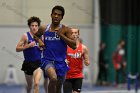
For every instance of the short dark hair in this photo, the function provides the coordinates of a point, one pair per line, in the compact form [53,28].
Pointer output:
[120,41]
[34,19]
[58,7]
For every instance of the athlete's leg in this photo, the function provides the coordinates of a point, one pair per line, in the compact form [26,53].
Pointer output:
[46,83]
[77,85]
[37,76]
[29,80]
[67,86]
[60,81]
[53,80]
[75,92]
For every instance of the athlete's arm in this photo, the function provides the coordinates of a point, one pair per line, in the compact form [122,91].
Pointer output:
[23,43]
[39,33]
[65,34]
[85,55]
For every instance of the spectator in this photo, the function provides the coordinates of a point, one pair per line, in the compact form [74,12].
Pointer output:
[102,76]
[119,62]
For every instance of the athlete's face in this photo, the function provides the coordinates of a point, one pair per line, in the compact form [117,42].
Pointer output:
[75,33]
[56,16]
[34,27]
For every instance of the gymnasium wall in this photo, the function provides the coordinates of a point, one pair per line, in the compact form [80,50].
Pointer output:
[15,12]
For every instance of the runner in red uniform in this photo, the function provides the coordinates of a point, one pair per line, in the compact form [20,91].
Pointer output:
[75,58]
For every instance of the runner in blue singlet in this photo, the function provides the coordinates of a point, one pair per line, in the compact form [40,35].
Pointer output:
[32,55]
[56,38]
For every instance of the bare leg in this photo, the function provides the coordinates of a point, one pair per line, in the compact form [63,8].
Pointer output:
[75,92]
[60,81]
[37,76]
[29,80]
[46,82]
[53,80]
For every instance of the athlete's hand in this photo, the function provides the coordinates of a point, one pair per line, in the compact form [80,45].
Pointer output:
[32,44]
[40,42]
[87,63]
[61,31]
[57,29]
